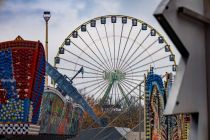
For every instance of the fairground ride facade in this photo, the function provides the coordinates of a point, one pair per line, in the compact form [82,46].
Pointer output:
[22,70]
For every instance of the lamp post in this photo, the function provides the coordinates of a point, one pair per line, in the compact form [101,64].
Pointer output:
[46,16]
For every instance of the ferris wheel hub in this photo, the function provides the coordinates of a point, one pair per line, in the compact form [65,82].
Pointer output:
[114,76]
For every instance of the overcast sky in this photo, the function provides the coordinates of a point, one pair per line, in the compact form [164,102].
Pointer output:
[24,17]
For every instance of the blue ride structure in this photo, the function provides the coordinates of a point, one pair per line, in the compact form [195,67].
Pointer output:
[69,90]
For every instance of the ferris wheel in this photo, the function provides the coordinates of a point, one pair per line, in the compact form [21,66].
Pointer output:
[115,52]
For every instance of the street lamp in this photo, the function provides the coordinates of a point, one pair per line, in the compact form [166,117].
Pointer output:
[46,16]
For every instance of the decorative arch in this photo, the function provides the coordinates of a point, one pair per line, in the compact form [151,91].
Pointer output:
[154,99]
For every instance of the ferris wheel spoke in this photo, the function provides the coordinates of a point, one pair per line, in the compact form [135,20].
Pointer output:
[127,87]
[166,66]
[131,81]
[130,47]
[93,52]
[106,87]
[138,56]
[132,87]
[146,57]
[103,47]
[134,72]
[130,66]
[119,45]
[125,45]
[98,50]
[88,77]
[107,39]
[98,95]
[136,50]
[134,75]
[81,83]
[126,82]
[83,59]
[98,87]
[101,89]
[95,84]
[134,79]
[149,63]
[114,43]
[79,64]
[86,72]
[88,55]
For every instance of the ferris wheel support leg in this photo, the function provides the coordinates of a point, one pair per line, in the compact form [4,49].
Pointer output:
[124,95]
[104,98]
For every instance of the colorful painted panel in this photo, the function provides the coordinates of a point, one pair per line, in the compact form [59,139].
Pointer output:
[59,116]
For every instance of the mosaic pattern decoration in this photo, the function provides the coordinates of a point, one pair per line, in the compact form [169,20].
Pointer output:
[18,129]
[14,129]
[158,126]
[22,70]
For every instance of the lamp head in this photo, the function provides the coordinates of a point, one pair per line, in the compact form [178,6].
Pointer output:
[46,15]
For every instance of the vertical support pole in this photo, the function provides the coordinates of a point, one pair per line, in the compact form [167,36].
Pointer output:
[145,108]
[46,52]
[207,42]
[140,112]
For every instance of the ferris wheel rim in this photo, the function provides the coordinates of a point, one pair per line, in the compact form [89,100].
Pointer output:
[119,16]
[108,16]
